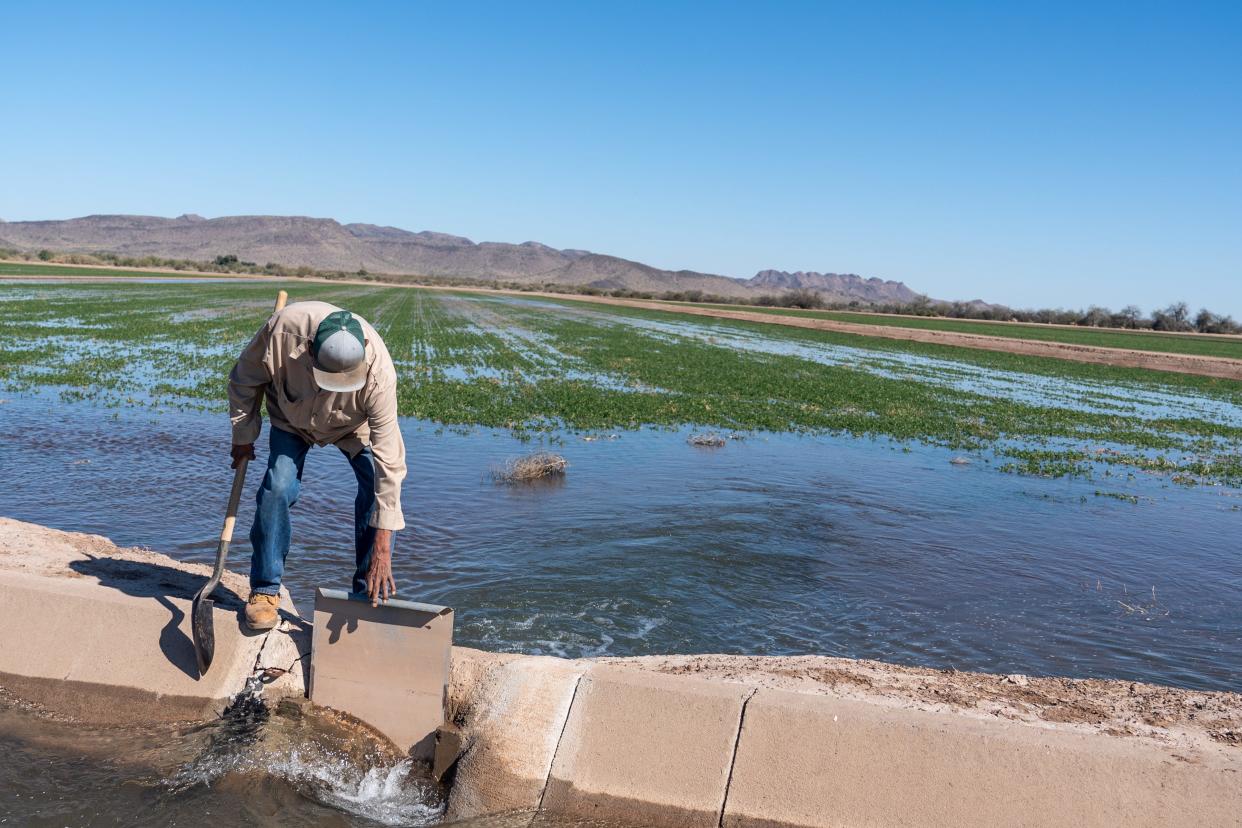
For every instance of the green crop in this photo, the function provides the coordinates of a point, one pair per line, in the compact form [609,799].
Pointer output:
[43,271]
[549,365]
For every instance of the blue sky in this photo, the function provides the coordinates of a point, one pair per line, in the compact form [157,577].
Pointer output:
[1039,155]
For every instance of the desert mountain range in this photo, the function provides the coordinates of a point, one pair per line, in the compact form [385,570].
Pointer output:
[326,244]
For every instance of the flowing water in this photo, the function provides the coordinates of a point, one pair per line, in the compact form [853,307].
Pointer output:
[773,544]
[249,768]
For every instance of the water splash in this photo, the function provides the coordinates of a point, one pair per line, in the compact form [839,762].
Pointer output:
[388,794]
[321,760]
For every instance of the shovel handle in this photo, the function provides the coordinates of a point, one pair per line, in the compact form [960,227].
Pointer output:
[201,613]
[239,476]
[230,514]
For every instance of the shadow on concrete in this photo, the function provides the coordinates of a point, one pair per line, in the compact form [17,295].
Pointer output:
[346,609]
[160,583]
[299,629]
[340,621]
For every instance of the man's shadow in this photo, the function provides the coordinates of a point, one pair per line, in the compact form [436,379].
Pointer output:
[160,583]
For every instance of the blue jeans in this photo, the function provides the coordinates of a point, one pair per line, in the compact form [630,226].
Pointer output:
[269,537]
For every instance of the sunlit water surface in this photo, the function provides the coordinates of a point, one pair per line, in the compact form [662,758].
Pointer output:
[773,544]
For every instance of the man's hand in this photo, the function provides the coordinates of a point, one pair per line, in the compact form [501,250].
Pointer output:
[240,452]
[380,585]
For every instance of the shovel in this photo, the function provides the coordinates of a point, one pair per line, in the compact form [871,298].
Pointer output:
[201,611]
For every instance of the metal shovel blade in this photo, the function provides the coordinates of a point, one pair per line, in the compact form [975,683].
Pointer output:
[203,631]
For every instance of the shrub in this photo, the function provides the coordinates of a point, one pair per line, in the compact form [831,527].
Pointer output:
[535,466]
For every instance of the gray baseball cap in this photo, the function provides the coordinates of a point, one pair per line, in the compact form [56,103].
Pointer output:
[339,353]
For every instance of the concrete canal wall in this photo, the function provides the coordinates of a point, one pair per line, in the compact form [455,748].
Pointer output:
[102,633]
[816,741]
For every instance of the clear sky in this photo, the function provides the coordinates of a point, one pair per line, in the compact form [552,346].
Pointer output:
[1040,155]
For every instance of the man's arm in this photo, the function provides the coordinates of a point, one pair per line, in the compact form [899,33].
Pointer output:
[388,449]
[246,383]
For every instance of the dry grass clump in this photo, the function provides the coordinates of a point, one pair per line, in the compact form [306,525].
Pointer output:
[535,466]
[706,440]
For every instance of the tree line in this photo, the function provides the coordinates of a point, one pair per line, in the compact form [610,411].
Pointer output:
[1175,317]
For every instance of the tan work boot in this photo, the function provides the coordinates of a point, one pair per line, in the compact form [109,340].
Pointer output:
[261,611]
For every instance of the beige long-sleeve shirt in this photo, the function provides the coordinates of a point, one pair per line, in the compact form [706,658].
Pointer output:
[277,364]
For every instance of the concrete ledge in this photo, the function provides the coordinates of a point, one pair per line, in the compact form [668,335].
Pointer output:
[806,760]
[814,741]
[513,711]
[103,633]
[646,748]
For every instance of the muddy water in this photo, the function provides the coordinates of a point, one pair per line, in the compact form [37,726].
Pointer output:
[772,544]
[252,769]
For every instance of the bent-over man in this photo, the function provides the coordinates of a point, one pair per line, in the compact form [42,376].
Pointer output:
[328,380]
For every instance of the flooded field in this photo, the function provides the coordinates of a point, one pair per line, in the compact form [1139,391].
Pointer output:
[859,505]
[543,367]
[910,503]
[1229,346]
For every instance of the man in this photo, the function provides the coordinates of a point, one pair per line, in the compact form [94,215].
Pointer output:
[328,380]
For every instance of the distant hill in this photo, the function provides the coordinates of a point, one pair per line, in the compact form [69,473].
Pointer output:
[843,285]
[326,244]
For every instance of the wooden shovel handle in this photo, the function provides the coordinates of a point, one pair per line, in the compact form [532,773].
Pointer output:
[239,476]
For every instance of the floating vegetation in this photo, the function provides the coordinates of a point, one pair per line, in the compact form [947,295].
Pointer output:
[540,367]
[1144,607]
[537,466]
[1122,496]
